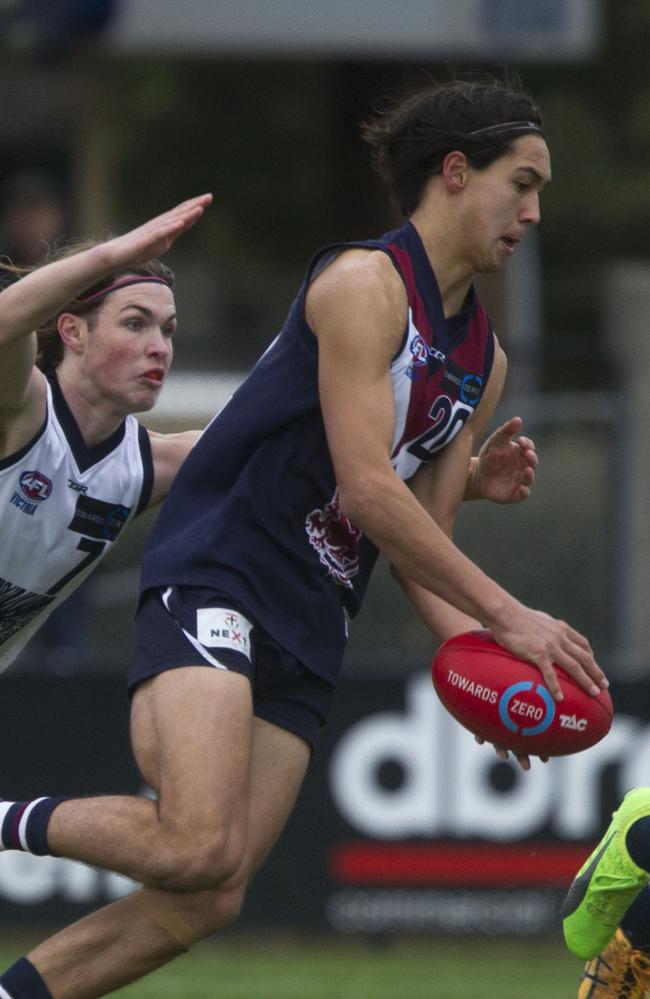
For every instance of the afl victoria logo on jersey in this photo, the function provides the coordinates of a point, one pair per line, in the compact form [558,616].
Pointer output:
[35,486]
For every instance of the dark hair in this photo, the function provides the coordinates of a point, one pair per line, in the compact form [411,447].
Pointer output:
[411,137]
[50,347]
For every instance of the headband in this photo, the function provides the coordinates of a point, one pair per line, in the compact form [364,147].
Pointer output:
[508,127]
[122,283]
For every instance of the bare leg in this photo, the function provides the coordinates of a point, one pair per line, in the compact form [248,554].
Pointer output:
[118,944]
[192,731]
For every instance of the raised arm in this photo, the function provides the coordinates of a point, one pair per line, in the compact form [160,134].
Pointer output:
[28,302]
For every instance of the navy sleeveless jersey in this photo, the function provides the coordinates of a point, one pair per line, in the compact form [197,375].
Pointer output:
[253,512]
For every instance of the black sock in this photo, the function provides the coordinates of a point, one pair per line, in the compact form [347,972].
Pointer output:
[636,921]
[22,981]
[637,842]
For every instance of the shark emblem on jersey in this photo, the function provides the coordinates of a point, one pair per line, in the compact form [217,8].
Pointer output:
[336,540]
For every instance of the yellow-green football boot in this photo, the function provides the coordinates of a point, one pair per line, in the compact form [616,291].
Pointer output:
[607,883]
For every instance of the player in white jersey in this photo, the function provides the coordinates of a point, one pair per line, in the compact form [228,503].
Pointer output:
[85,341]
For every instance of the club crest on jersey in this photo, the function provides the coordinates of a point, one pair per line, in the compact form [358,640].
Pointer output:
[33,488]
[336,540]
[423,356]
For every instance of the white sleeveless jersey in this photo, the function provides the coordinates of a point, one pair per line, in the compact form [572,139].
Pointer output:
[63,506]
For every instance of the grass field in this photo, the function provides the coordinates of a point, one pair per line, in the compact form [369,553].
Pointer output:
[283,969]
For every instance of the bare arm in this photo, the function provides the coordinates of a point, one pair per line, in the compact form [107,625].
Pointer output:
[169,451]
[357,309]
[440,486]
[28,302]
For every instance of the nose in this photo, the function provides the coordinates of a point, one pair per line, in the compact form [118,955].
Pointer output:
[160,346]
[530,213]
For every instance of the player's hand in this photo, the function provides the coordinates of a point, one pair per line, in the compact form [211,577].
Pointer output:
[506,465]
[545,641]
[153,238]
[504,754]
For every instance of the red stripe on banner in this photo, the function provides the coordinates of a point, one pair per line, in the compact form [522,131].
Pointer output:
[459,864]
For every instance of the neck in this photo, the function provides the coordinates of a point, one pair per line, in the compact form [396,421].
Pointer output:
[96,416]
[453,271]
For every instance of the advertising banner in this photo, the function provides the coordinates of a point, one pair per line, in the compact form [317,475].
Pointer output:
[404,825]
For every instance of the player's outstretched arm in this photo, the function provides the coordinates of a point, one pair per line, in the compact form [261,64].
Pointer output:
[29,302]
[168,451]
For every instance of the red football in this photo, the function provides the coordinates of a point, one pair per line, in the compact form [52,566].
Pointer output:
[504,700]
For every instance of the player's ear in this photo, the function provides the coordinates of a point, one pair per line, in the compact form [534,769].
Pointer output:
[70,328]
[454,171]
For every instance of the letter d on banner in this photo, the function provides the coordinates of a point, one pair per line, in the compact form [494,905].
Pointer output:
[406,739]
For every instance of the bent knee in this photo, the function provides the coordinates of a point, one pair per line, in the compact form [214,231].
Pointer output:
[198,863]
[214,910]
[215,860]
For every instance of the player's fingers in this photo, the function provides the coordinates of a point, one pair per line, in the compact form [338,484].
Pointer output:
[501,752]
[526,444]
[183,215]
[199,202]
[547,670]
[505,433]
[582,667]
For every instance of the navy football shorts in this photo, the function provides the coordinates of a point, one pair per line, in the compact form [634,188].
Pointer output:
[193,626]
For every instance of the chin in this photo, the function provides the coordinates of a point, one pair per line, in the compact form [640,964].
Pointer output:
[491,267]
[143,403]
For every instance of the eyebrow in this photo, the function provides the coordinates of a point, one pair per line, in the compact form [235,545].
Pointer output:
[534,173]
[147,312]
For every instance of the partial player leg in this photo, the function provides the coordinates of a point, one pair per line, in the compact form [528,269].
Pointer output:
[126,940]
[610,879]
[192,737]
[622,969]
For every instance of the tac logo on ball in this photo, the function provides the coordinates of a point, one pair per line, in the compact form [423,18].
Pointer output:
[516,711]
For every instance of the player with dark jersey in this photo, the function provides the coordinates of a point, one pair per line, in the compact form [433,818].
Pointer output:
[354,434]
[267,531]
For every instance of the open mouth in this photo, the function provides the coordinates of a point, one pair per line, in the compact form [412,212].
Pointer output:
[510,243]
[154,375]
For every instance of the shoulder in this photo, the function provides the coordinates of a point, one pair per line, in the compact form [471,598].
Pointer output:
[358,271]
[168,452]
[360,290]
